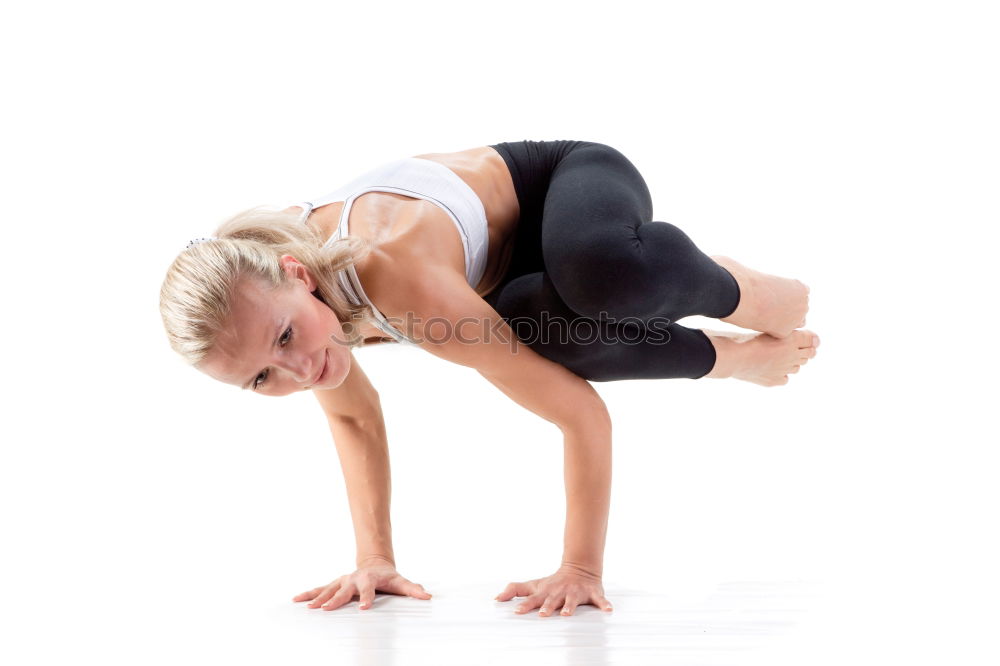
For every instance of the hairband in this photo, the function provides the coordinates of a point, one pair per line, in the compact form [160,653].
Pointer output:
[194,242]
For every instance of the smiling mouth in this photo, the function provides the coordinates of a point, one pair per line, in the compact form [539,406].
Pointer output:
[322,371]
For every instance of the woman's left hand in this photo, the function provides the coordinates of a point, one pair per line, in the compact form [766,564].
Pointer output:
[563,589]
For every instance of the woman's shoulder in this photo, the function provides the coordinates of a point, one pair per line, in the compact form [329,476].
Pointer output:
[403,285]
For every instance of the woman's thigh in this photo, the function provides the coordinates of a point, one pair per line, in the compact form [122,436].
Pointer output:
[606,256]
[600,350]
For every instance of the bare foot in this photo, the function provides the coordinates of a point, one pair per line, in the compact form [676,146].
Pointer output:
[759,357]
[768,303]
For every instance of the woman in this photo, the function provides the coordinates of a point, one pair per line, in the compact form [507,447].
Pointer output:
[557,275]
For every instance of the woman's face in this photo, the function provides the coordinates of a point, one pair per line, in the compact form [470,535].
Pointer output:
[278,342]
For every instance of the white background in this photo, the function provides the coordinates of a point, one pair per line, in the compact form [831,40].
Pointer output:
[150,512]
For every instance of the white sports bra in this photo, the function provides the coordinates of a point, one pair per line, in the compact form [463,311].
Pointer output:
[421,179]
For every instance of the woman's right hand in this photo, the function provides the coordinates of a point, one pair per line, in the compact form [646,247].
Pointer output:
[370,577]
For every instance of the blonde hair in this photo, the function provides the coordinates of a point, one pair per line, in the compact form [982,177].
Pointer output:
[197,293]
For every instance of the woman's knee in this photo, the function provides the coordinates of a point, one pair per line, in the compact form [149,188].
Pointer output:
[657,273]
[608,281]
[532,297]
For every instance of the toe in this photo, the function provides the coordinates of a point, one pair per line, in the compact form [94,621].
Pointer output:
[807,339]
[804,339]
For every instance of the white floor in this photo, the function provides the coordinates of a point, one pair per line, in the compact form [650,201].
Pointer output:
[459,627]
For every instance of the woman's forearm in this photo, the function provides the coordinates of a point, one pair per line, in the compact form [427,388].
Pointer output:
[587,464]
[364,458]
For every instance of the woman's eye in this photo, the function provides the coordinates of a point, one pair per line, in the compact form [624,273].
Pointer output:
[285,337]
[259,380]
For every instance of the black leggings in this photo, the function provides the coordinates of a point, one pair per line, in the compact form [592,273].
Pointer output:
[594,283]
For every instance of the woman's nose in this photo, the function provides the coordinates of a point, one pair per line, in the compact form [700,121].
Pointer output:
[301,369]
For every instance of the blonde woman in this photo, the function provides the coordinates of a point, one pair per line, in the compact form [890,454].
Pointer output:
[536,263]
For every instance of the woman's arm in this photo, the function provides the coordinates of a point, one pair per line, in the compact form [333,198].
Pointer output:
[354,415]
[364,458]
[586,471]
[451,321]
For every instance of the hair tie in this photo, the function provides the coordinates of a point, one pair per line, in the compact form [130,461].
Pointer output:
[194,242]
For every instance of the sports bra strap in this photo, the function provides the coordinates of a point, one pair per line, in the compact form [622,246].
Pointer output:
[306,209]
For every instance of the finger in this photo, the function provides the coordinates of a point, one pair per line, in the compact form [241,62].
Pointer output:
[602,603]
[509,592]
[307,595]
[529,604]
[569,606]
[417,590]
[366,594]
[514,590]
[551,603]
[345,594]
[325,595]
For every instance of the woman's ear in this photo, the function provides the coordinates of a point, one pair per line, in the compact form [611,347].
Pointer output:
[294,269]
